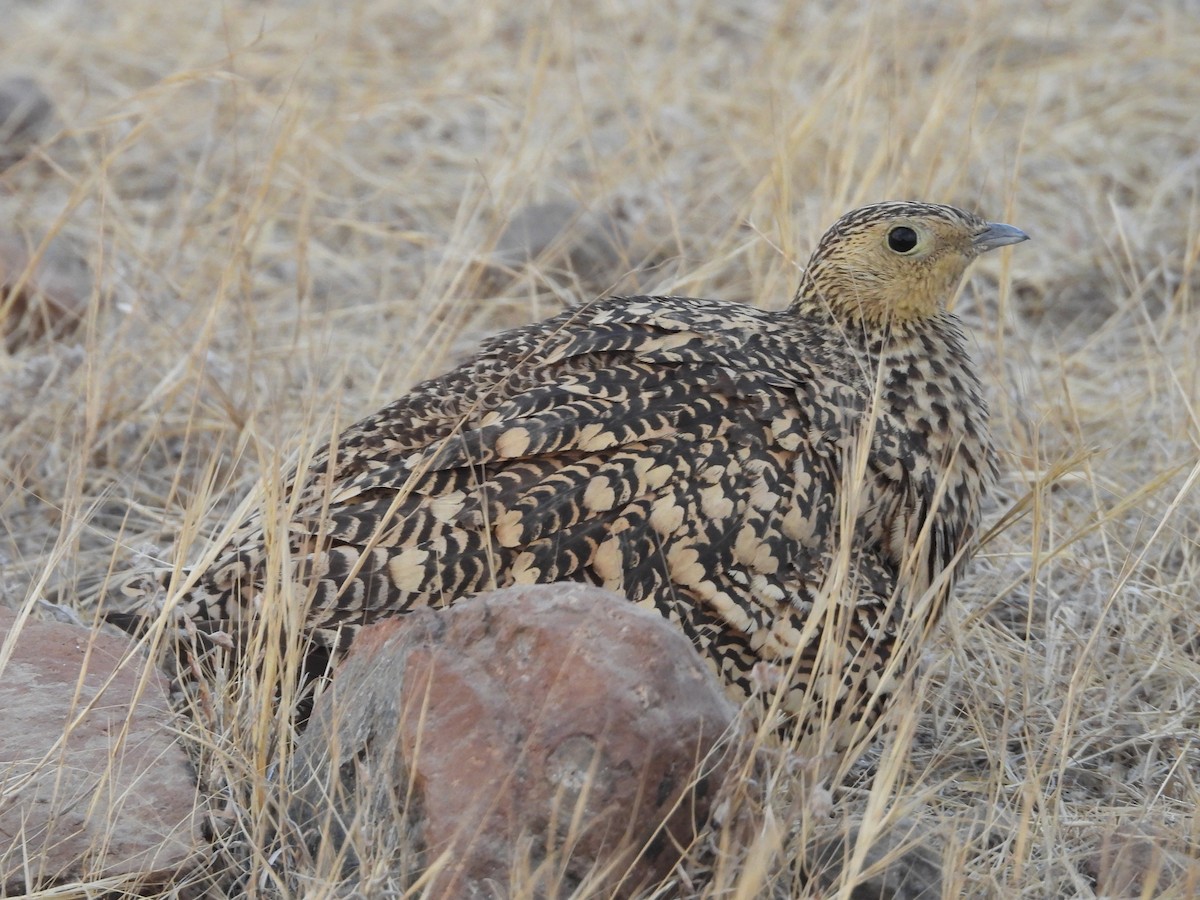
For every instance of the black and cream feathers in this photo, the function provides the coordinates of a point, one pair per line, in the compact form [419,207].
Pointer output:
[794,489]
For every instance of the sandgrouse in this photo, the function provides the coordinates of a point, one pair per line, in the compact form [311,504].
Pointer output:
[796,490]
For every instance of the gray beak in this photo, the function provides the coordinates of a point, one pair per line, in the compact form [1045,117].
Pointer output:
[997,235]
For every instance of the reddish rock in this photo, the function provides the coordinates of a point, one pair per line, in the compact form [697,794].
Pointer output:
[530,737]
[93,782]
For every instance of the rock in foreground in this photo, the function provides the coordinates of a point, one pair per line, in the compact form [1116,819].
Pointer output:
[93,782]
[537,738]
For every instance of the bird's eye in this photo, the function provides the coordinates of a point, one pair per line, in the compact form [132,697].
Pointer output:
[902,239]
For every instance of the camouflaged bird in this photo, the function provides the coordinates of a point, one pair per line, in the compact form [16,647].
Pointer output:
[795,489]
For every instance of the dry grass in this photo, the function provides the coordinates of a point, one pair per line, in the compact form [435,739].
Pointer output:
[283,203]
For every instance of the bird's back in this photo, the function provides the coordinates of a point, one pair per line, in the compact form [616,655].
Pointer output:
[686,453]
[796,490]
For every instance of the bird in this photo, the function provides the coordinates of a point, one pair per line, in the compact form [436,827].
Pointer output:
[797,490]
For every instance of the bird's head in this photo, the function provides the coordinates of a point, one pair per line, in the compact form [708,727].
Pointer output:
[892,263]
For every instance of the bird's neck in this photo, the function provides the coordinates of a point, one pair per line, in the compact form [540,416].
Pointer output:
[874,308]
[874,339]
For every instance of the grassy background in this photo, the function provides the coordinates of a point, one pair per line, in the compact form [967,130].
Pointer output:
[284,205]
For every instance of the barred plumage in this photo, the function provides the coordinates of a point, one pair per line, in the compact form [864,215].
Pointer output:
[794,489]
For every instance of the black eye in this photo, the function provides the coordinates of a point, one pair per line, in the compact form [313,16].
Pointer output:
[902,239]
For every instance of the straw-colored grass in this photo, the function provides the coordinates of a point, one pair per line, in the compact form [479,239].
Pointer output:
[284,204]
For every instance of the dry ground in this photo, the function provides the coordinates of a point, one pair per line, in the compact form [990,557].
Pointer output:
[283,204]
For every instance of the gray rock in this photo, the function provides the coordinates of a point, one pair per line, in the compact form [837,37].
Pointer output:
[1139,860]
[26,117]
[562,236]
[905,862]
[40,295]
[93,782]
[529,740]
